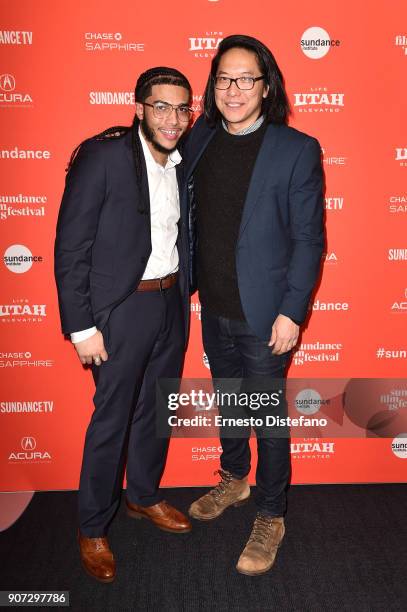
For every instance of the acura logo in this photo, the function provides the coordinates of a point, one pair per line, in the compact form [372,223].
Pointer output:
[7,82]
[28,443]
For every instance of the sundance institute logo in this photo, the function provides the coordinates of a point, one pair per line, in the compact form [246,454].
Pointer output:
[19,259]
[316,42]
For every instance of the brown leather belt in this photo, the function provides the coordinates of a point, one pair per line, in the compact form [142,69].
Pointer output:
[158,284]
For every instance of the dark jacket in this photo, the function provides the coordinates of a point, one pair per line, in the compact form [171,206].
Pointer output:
[103,239]
[281,238]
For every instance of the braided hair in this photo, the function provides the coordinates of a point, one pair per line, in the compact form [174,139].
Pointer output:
[160,75]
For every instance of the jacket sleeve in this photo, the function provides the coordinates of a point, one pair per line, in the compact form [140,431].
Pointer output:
[77,225]
[307,231]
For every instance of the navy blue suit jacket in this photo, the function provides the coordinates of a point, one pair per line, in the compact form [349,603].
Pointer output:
[281,238]
[103,239]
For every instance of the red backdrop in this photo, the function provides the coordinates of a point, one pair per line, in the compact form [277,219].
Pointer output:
[68,71]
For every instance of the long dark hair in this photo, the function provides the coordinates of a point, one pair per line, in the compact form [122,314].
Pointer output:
[160,75]
[275,106]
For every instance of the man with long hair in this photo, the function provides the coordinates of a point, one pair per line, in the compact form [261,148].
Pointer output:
[255,191]
[121,273]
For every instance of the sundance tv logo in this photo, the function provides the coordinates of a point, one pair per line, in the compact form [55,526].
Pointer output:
[16,37]
[110,41]
[319,100]
[29,452]
[9,97]
[316,42]
[19,259]
[205,46]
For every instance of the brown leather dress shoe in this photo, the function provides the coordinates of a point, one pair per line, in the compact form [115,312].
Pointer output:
[163,515]
[97,558]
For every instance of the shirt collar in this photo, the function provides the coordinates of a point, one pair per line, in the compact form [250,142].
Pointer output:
[174,158]
[248,130]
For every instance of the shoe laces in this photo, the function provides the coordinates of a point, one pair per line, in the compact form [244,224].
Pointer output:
[261,529]
[223,485]
[99,544]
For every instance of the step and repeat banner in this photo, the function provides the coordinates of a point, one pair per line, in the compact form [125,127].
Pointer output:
[67,71]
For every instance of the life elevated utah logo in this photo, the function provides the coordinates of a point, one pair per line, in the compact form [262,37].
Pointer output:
[316,42]
[401,42]
[205,46]
[319,100]
[10,95]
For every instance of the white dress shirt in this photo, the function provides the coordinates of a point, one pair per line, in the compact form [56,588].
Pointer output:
[164,216]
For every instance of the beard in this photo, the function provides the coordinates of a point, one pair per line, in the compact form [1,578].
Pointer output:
[149,136]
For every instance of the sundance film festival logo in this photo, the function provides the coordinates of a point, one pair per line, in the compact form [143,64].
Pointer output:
[16,37]
[400,305]
[205,46]
[320,352]
[112,98]
[395,400]
[26,359]
[401,41]
[398,204]
[8,94]
[29,452]
[110,41]
[19,259]
[22,311]
[316,42]
[319,100]
[195,307]
[401,155]
[22,206]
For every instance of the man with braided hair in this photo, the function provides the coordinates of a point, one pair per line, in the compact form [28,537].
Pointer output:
[121,274]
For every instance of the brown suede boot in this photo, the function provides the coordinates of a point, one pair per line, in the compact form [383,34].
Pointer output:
[261,549]
[228,492]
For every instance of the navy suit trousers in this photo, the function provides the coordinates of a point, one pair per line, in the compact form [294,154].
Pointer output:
[144,338]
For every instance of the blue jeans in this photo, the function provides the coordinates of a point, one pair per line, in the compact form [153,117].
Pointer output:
[234,352]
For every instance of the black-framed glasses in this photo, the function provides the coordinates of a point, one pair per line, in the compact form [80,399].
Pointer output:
[243,82]
[164,109]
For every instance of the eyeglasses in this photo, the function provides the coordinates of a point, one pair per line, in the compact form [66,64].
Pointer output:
[164,109]
[244,82]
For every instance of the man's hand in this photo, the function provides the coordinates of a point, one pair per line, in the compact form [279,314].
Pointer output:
[284,335]
[92,349]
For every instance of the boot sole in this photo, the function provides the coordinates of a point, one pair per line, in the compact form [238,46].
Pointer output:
[241,502]
[136,515]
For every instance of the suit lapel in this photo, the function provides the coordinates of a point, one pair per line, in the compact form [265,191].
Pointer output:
[261,171]
[143,203]
[195,157]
